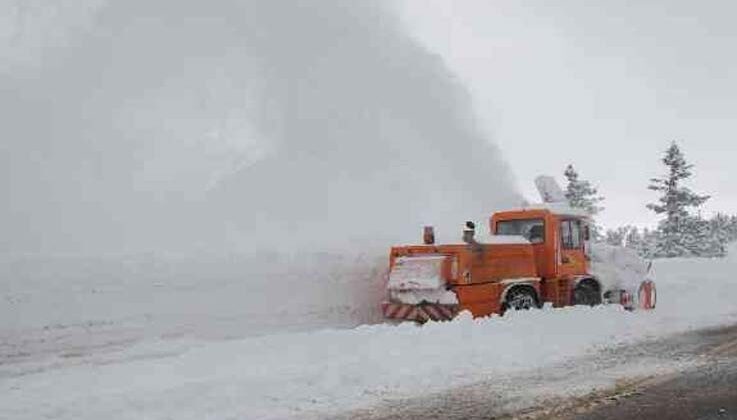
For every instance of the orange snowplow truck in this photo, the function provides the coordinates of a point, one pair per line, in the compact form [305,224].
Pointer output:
[531,256]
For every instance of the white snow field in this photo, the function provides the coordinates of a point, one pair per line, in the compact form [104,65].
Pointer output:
[92,349]
[84,304]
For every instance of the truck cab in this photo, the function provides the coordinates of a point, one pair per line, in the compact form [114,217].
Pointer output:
[559,238]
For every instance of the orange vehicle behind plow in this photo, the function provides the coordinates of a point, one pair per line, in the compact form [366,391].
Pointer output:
[530,257]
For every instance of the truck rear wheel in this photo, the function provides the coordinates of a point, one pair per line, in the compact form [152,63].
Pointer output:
[521,298]
[587,293]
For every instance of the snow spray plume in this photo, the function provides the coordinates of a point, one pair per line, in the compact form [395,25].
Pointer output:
[164,124]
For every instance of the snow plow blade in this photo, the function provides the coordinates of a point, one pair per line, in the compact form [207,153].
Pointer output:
[419,313]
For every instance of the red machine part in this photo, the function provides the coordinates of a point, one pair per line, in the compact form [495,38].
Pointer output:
[419,313]
[647,295]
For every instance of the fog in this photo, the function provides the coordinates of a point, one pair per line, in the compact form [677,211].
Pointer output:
[232,125]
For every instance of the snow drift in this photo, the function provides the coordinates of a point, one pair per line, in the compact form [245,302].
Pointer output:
[619,268]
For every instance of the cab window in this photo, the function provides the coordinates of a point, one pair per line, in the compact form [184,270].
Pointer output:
[532,229]
[571,234]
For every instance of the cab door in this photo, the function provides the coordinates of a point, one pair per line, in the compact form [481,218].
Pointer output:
[572,254]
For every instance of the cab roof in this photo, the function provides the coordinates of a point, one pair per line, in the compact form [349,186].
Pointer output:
[542,209]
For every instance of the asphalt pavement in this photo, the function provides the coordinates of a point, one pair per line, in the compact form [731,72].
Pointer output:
[708,391]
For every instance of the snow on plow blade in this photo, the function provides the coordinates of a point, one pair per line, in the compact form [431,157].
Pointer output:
[417,290]
[419,313]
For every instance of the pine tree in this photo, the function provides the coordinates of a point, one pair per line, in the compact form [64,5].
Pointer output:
[720,235]
[633,240]
[616,237]
[732,229]
[582,195]
[703,238]
[649,243]
[679,232]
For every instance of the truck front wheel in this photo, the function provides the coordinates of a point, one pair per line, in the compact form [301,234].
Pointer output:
[521,298]
[587,293]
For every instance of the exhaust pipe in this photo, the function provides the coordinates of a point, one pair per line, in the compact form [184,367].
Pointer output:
[428,235]
[469,237]
[469,233]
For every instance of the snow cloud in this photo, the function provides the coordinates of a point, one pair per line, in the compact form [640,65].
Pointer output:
[170,124]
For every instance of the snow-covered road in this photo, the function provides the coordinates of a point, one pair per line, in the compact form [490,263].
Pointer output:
[704,362]
[318,372]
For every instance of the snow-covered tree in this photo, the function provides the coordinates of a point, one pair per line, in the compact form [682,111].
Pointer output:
[582,195]
[679,231]
[616,237]
[719,233]
[732,229]
[633,240]
[648,243]
[702,239]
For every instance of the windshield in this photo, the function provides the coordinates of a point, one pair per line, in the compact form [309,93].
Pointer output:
[532,229]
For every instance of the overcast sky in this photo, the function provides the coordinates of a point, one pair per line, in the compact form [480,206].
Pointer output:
[603,85]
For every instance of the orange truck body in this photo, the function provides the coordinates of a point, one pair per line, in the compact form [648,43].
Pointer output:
[482,275]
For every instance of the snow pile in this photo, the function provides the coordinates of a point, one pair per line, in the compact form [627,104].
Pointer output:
[84,303]
[618,267]
[417,272]
[697,288]
[311,374]
[419,279]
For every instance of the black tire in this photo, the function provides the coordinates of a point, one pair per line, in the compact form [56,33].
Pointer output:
[587,293]
[521,298]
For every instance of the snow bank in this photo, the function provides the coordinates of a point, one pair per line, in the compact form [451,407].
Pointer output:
[618,267]
[311,374]
[95,301]
[283,376]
